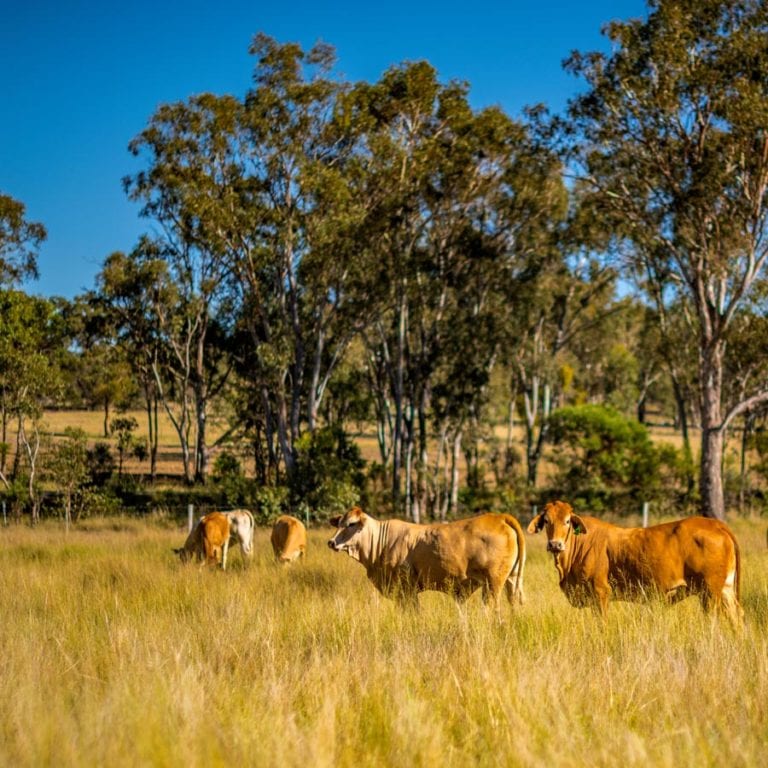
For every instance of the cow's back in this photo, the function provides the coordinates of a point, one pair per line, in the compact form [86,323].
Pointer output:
[241,529]
[289,538]
[215,527]
[700,548]
[477,549]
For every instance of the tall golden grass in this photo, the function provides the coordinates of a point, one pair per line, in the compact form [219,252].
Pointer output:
[113,653]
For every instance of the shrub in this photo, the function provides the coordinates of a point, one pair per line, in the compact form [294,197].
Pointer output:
[329,476]
[101,464]
[270,502]
[229,480]
[607,461]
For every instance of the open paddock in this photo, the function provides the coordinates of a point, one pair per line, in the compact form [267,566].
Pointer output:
[116,654]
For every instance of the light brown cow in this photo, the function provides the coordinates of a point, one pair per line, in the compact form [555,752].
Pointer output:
[208,541]
[595,559]
[289,539]
[403,559]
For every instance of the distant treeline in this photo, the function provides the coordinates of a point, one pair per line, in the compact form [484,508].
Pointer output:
[327,253]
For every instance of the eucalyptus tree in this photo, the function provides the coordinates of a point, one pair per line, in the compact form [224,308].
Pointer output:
[188,146]
[674,148]
[20,240]
[572,298]
[291,249]
[100,372]
[128,288]
[255,214]
[456,201]
[31,342]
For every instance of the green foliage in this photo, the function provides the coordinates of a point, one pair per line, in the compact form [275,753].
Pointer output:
[68,468]
[101,464]
[607,461]
[230,481]
[68,460]
[127,445]
[270,502]
[19,242]
[329,474]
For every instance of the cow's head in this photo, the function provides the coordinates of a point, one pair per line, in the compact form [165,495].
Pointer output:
[183,553]
[349,532]
[560,521]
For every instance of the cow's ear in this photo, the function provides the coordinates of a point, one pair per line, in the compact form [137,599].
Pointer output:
[536,524]
[334,521]
[578,525]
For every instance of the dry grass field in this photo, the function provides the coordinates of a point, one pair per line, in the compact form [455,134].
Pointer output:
[116,654]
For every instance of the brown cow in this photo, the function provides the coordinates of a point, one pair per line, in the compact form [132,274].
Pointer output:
[594,559]
[208,541]
[403,559]
[289,539]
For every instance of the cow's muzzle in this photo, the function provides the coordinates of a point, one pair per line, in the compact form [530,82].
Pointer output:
[555,545]
[333,545]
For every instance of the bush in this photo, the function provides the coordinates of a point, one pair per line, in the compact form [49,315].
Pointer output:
[231,483]
[101,464]
[607,461]
[329,476]
[270,503]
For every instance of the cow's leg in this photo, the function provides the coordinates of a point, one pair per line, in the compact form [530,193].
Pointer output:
[733,610]
[676,592]
[720,595]
[602,592]
[492,592]
[224,550]
[513,586]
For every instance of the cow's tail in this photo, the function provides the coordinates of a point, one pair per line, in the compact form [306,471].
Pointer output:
[250,535]
[737,554]
[519,565]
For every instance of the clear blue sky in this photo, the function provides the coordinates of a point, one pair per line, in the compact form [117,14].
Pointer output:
[81,78]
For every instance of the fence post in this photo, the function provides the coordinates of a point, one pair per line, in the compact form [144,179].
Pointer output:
[645,514]
[5,517]
[190,516]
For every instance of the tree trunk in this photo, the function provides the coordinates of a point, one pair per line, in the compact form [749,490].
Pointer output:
[3,439]
[712,434]
[453,504]
[397,441]
[422,481]
[749,423]
[682,424]
[201,447]
[284,433]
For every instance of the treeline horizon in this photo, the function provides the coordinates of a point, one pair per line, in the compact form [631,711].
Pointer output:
[327,253]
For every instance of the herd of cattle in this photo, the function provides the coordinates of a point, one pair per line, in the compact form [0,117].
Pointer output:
[594,559]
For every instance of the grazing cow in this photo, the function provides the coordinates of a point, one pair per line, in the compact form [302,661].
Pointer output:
[403,559]
[208,541]
[289,539]
[594,559]
[241,529]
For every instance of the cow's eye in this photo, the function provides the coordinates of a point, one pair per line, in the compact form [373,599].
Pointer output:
[352,524]
[568,522]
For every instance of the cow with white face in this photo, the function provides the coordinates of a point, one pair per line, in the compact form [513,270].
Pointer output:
[402,559]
